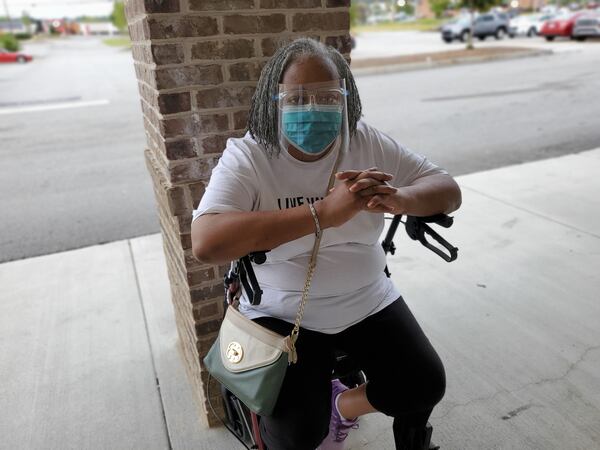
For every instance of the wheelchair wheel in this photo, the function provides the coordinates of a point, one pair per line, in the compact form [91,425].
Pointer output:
[239,417]
[428,444]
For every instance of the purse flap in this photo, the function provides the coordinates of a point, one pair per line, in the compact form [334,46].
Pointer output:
[246,345]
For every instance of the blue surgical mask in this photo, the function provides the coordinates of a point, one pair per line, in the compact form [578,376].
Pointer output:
[311,128]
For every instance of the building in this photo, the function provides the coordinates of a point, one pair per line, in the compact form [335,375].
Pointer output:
[423,10]
[13,26]
[98,28]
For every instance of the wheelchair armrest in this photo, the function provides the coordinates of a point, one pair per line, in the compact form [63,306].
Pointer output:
[417,229]
[442,220]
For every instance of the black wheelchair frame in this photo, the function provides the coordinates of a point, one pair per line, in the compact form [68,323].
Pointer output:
[243,423]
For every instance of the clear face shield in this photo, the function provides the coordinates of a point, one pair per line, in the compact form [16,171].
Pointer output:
[313,117]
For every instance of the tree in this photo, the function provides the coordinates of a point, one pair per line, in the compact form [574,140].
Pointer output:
[353,14]
[439,6]
[480,5]
[407,9]
[9,42]
[118,16]
[358,13]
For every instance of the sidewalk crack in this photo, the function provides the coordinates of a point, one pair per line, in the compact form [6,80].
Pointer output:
[139,291]
[571,367]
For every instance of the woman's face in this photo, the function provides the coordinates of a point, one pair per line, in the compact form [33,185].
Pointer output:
[303,71]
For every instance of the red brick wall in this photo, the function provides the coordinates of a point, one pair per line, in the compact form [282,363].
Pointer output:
[197,63]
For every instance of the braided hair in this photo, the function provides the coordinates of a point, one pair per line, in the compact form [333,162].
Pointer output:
[262,117]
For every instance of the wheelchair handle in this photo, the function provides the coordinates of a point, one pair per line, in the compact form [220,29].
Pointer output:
[417,229]
[439,219]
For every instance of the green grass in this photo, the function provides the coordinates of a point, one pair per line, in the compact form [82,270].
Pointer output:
[417,25]
[117,42]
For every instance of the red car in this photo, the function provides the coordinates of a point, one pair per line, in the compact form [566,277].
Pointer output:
[559,26]
[6,56]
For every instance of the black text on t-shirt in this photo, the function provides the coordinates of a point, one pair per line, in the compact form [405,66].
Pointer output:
[291,202]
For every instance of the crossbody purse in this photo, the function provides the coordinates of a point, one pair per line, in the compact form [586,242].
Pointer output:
[251,360]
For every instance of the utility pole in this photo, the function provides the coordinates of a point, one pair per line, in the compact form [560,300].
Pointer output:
[7,16]
[471,27]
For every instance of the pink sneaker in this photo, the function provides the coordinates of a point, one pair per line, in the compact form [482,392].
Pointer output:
[338,427]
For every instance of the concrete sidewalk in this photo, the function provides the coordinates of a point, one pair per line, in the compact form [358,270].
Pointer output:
[90,357]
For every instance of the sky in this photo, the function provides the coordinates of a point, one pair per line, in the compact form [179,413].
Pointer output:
[53,9]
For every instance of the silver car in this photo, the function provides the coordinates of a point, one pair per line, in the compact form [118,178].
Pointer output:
[456,29]
[586,26]
[488,24]
[493,24]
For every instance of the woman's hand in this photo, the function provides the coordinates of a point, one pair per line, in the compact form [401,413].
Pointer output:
[340,205]
[372,184]
[428,195]
[373,173]
[389,200]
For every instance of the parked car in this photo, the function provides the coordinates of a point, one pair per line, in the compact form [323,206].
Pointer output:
[400,16]
[587,25]
[493,24]
[6,56]
[560,26]
[403,17]
[456,29]
[378,18]
[531,24]
[489,24]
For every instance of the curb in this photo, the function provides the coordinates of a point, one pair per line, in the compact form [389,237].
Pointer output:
[424,65]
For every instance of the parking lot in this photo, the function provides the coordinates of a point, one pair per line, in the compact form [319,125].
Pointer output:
[370,45]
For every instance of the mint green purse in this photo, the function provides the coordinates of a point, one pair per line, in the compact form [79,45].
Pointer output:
[251,360]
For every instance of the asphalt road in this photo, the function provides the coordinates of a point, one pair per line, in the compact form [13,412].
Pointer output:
[475,117]
[74,176]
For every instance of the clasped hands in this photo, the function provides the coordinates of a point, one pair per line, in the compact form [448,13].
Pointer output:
[361,190]
[371,186]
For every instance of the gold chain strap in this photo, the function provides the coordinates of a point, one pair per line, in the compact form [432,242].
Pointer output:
[309,275]
[312,265]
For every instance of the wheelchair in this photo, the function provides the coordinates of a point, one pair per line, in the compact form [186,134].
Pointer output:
[243,423]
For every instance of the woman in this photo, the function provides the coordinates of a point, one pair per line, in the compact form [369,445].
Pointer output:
[268,192]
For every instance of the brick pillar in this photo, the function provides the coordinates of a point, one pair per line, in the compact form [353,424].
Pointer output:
[197,63]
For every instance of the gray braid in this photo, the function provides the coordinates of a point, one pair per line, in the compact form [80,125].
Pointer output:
[262,118]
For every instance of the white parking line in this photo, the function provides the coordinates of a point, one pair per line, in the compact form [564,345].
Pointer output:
[65,105]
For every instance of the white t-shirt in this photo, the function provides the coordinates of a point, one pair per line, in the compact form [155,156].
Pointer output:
[349,283]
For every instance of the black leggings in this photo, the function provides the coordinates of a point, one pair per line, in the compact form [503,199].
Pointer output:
[406,379]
